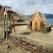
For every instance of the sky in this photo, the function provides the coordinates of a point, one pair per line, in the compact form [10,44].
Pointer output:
[30,6]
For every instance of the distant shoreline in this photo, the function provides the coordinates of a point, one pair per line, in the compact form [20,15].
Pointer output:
[51,25]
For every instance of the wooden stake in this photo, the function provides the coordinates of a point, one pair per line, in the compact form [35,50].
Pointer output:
[4,26]
[13,22]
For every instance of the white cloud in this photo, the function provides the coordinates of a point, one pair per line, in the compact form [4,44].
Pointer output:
[29,6]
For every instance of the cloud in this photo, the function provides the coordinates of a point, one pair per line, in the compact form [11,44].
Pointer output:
[29,6]
[33,2]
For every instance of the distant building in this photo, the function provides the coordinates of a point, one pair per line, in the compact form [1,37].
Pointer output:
[1,9]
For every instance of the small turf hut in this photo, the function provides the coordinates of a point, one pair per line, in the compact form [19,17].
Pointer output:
[38,21]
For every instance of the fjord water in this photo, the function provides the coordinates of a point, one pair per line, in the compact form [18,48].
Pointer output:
[50,20]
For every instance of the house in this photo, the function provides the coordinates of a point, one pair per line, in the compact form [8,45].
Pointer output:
[38,20]
[1,9]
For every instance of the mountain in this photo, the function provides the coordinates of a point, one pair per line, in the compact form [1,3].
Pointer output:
[47,15]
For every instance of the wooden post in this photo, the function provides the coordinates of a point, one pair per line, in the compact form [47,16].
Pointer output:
[13,22]
[14,25]
[10,21]
[4,26]
[7,35]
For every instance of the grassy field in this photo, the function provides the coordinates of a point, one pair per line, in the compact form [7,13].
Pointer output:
[38,38]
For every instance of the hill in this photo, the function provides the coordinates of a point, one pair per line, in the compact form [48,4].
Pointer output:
[47,15]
